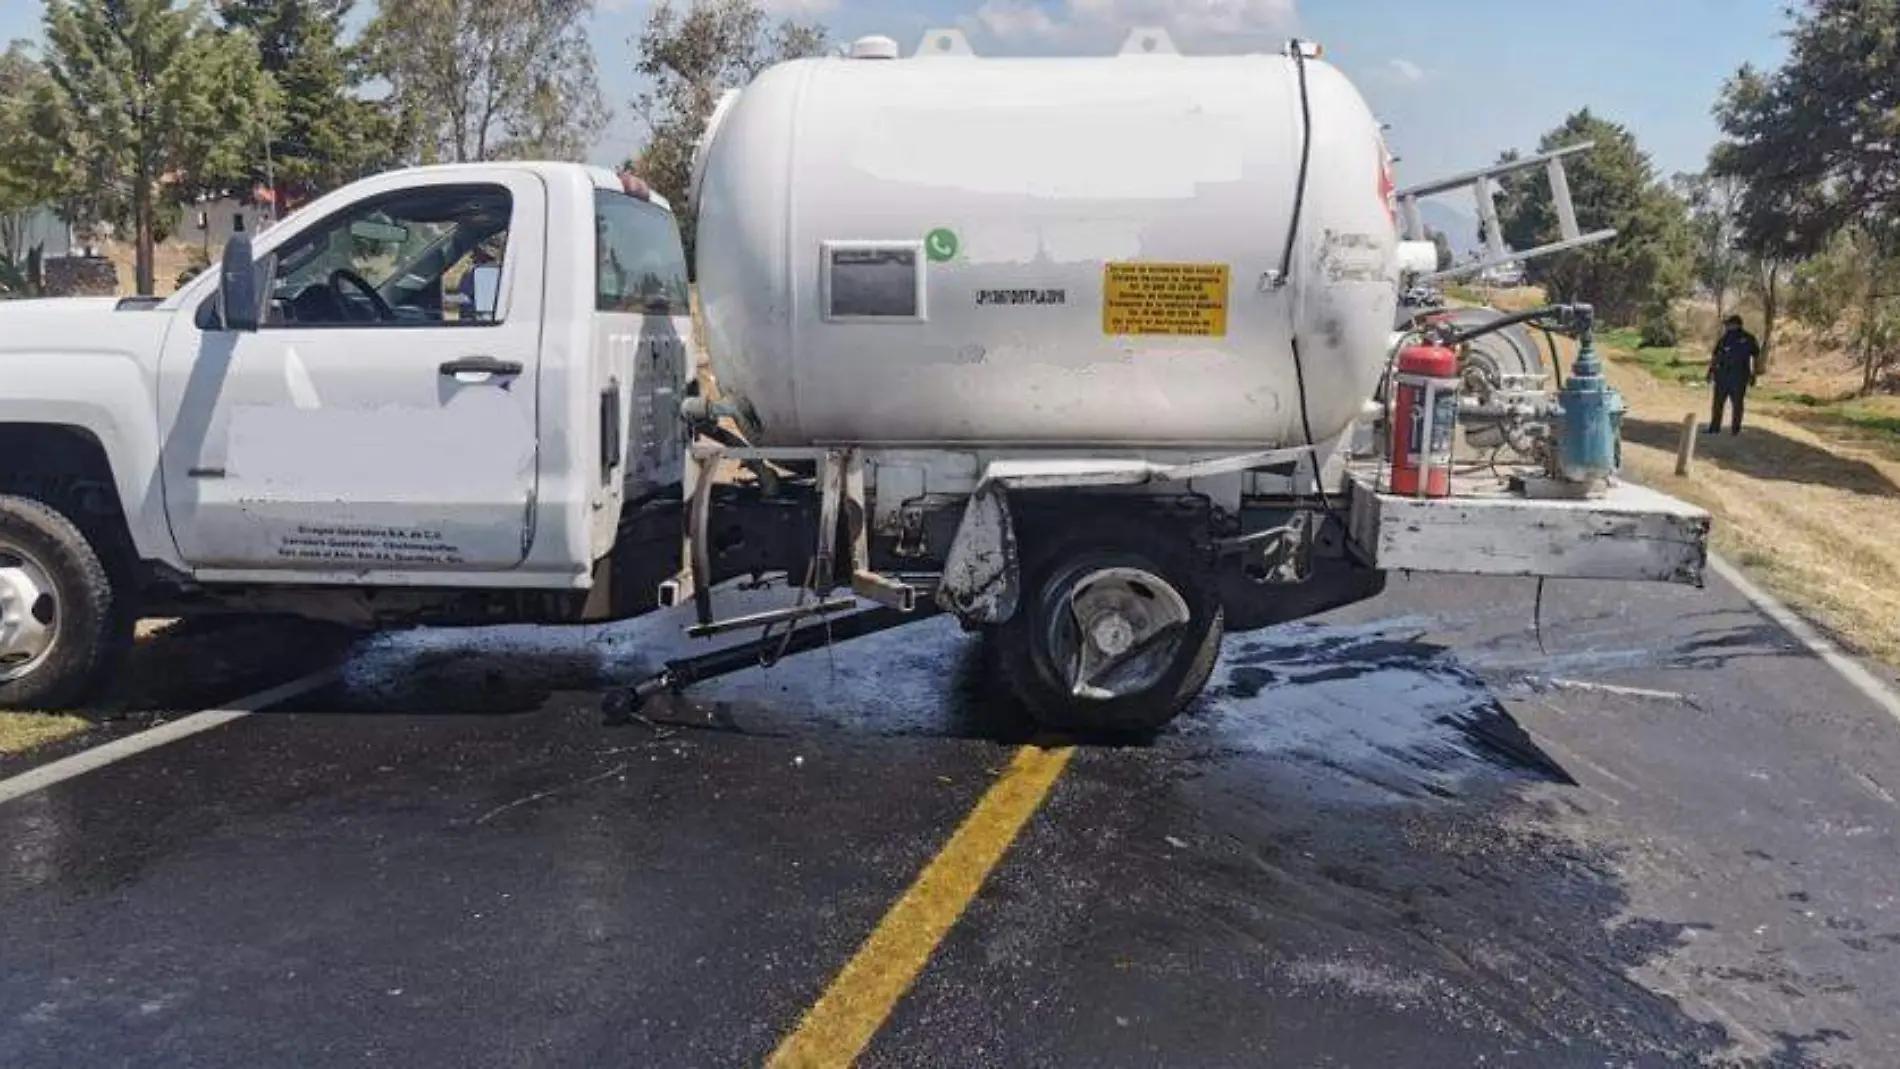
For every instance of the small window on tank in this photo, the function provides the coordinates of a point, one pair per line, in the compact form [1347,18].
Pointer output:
[874,281]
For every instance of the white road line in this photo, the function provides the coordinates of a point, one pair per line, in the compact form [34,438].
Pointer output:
[85,761]
[1850,669]
[1621,692]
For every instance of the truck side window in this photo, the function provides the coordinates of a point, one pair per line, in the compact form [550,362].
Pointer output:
[640,265]
[425,257]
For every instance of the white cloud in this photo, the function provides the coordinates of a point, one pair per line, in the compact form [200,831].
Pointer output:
[1017,20]
[775,8]
[1085,23]
[799,8]
[1408,71]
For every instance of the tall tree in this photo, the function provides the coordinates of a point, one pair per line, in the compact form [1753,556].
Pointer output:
[328,134]
[21,183]
[490,79]
[1817,142]
[1634,278]
[147,105]
[689,58]
[21,194]
[1718,255]
[1815,145]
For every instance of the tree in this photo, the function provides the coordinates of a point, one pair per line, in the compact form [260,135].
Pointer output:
[20,78]
[1766,274]
[328,135]
[21,192]
[489,79]
[689,59]
[1813,146]
[1851,292]
[147,104]
[1442,242]
[1815,141]
[1635,277]
[20,185]
[1712,201]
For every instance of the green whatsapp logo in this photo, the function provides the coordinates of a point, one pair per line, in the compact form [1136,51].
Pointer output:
[941,245]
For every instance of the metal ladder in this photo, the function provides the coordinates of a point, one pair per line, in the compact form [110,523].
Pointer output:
[1484,187]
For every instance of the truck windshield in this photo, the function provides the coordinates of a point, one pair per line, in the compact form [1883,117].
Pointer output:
[640,264]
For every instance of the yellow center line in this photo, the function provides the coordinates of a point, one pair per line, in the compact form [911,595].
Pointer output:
[841,1023]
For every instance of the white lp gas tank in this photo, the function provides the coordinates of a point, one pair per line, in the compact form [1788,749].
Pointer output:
[1078,251]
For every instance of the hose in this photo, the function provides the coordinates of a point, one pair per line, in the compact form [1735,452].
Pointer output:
[1306,159]
[1479,331]
[1286,271]
[1556,357]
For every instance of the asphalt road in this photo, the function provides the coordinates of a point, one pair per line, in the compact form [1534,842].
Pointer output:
[1397,835]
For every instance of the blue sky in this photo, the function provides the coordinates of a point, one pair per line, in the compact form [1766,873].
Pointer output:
[1459,80]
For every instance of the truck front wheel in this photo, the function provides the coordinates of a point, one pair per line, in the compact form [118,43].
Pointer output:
[61,626]
[1114,636]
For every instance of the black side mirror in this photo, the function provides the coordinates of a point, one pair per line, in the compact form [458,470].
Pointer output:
[240,286]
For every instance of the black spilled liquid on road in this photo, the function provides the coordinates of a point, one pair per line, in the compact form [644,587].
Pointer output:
[1349,851]
[1371,705]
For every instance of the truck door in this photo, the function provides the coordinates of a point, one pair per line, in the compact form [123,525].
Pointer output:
[381,424]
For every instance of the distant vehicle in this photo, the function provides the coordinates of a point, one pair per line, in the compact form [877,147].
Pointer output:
[1422,297]
[1511,274]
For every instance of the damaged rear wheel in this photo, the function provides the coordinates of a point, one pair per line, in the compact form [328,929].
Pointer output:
[1115,635]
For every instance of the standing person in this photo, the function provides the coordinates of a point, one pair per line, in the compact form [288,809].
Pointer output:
[1732,369]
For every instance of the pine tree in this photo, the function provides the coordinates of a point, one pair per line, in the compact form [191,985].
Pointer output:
[148,105]
[1632,279]
[328,135]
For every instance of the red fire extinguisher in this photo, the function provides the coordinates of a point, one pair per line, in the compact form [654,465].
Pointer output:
[1424,417]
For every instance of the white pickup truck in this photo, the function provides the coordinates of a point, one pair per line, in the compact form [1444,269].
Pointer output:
[429,401]
[465,394]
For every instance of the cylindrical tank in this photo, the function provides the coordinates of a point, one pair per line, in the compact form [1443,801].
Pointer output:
[1085,251]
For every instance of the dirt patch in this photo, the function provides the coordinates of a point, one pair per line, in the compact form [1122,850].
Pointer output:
[180,667]
[169,258]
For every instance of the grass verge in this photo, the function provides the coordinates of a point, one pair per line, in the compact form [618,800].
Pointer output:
[1866,422]
[1805,499]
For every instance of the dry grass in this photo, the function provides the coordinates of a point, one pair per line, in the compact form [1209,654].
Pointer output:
[20,732]
[1811,515]
[168,259]
[177,668]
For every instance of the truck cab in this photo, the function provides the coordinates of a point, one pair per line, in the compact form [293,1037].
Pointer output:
[452,381]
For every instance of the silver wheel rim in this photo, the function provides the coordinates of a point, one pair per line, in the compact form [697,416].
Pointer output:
[29,613]
[1114,632]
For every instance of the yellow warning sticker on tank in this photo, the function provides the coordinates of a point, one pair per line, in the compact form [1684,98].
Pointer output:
[1178,299]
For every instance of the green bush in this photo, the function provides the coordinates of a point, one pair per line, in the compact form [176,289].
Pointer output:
[1657,328]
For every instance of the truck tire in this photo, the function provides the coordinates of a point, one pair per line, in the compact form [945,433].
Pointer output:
[1141,586]
[63,628]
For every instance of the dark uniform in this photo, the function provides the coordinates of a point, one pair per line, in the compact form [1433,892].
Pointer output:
[1732,369]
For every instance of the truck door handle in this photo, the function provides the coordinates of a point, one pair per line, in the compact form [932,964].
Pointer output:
[479,365]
